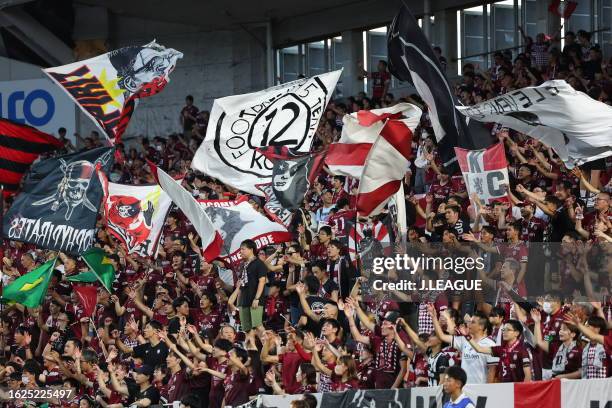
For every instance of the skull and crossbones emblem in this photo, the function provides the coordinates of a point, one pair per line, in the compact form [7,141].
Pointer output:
[72,189]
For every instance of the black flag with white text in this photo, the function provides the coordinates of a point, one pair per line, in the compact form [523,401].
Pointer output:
[59,211]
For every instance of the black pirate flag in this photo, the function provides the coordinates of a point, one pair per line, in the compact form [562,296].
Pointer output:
[60,202]
[293,173]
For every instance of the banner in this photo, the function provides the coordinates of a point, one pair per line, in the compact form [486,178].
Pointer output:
[38,103]
[485,172]
[237,221]
[108,86]
[135,215]
[284,115]
[576,126]
[273,207]
[59,205]
[538,394]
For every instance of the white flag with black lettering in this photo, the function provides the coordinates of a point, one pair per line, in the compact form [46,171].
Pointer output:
[575,125]
[284,115]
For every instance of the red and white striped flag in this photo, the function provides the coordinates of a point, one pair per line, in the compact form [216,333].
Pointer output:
[386,164]
[359,132]
[212,242]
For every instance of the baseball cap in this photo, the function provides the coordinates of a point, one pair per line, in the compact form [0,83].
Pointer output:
[144,369]
[392,316]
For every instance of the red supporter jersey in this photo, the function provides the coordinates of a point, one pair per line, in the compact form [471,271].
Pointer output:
[512,359]
[341,223]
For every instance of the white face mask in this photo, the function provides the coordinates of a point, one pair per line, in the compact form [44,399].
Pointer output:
[547,307]
[25,380]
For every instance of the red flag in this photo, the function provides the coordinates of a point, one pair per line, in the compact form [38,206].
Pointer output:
[88,296]
[565,10]
[20,145]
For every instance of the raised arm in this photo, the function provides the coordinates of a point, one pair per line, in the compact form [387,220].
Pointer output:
[446,338]
[357,336]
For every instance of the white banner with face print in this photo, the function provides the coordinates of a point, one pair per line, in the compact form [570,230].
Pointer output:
[108,86]
[237,221]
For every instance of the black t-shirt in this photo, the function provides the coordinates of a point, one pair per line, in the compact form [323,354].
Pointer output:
[151,393]
[249,281]
[174,324]
[560,224]
[152,356]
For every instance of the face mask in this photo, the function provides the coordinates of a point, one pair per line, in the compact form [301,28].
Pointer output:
[547,307]
[25,380]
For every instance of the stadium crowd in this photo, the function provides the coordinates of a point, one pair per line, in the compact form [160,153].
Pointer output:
[298,318]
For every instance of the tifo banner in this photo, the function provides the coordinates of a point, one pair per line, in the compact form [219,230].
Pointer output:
[108,86]
[60,202]
[367,398]
[237,221]
[485,172]
[38,103]
[539,394]
[576,126]
[370,240]
[135,214]
[284,115]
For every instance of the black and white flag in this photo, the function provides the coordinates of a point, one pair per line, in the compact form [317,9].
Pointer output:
[285,115]
[293,173]
[59,211]
[412,59]
[576,126]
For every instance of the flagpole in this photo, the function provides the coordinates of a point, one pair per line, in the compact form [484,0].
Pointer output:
[49,277]
[98,336]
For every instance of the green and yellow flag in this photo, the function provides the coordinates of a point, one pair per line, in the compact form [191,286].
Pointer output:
[100,265]
[31,288]
[88,277]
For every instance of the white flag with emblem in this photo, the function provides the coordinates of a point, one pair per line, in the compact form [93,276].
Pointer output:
[284,115]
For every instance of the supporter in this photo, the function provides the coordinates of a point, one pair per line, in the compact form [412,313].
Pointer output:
[514,360]
[381,79]
[188,116]
[479,367]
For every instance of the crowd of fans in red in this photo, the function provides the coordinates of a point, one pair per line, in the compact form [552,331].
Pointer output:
[172,330]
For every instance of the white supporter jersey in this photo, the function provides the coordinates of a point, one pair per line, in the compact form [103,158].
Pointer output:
[475,364]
